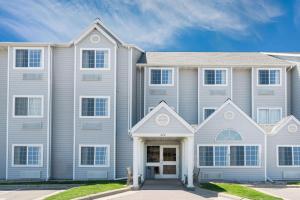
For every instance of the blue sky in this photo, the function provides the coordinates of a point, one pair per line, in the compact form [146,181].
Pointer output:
[161,25]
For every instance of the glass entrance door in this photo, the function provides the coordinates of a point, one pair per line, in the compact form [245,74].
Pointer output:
[164,160]
[169,161]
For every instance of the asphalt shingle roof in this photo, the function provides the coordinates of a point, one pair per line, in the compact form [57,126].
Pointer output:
[231,59]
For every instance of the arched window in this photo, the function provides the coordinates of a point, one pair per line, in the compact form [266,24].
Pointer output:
[228,135]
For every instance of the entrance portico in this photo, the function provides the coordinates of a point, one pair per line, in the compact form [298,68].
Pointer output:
[163,144]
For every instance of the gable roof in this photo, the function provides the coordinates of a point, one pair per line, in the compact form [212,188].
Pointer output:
[282,123]
[155,110]
[230,102]
[207,59]
[99,25]
[96,25]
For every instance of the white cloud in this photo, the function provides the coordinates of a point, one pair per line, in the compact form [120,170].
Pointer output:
[296,13]
[148,23]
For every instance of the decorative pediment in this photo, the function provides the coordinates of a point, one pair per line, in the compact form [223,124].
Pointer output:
[289,124]
[162,121]
[229,114]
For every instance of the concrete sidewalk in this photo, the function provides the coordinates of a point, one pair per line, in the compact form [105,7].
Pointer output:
[165,190]
[287,192]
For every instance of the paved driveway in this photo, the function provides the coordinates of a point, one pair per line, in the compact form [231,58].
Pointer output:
[164,190]
[287,192]
[27,192]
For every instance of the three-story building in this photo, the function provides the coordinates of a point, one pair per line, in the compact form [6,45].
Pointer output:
[93,107]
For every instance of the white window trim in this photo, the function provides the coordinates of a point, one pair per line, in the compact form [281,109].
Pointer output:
[228,156]
[269,108]
[205,108]
[94,145]
[27,145]
[97,69]
[92,117]
[277,156]
[29,96]
[161,68]
[42,63]
[268,85]
[214,85]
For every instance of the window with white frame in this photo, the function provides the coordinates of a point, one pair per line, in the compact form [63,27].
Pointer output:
[28,106]
[28,58]
[161,76]
[289,155]
[215,76]
[228,155]
[27,155]
[95,59]
[207,112]
[268,115]
[95,106]
[97,155]
[228,135]
[269,77]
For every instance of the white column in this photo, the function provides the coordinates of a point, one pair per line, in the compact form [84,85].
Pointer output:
[135,170]
[141,161]
[183,163]
[190,154]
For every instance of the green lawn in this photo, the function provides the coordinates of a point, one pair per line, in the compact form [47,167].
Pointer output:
[87,189]
[237,190]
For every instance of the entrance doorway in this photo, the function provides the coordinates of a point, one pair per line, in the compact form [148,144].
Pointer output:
[163,160]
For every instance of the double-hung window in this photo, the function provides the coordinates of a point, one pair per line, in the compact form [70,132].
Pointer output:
[228,156]
[28,106]
[215,77]
[207,112]
[94,155]
[29,58]
[95,107]
[269,76]
[161,76]
[27,155]
[268,115]
[95,58]
[289,155]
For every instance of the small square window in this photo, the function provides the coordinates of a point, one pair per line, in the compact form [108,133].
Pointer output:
[161,76]
[269,77]
[95,59]
[215,76]
[28,58]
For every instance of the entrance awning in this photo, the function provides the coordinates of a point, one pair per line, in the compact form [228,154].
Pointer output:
[162,121]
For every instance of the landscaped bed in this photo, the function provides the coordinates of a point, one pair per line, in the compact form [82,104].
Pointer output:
[237,190]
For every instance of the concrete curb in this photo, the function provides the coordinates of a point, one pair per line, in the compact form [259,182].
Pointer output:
[104,194]
[48,195]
